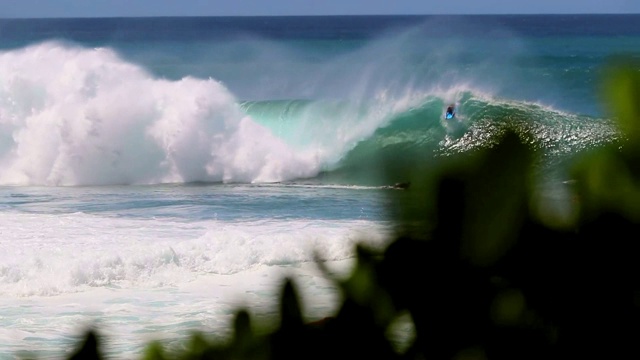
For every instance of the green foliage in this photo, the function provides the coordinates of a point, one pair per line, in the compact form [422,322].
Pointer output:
[482,272]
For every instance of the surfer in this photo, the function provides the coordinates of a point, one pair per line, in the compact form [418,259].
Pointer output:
[450,112]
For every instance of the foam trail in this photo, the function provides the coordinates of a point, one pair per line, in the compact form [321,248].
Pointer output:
[49,255]
[75,116]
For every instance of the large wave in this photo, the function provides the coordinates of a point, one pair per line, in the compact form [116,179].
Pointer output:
[416,133]
[76,116]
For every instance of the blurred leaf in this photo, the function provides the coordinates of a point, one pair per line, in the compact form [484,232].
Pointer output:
[243,334]
[245,344]
[89,348]
[508,307]
[290,309]
[154,351]
[621,91]
[496,201]
[196,348]
[605,183]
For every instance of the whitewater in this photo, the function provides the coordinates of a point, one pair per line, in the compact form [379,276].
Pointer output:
[158,173]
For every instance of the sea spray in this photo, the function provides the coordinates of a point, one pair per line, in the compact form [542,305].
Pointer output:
[75,116]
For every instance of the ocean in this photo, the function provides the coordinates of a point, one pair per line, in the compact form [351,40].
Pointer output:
[156,174]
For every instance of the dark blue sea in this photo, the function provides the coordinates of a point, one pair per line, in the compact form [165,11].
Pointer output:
[156,173]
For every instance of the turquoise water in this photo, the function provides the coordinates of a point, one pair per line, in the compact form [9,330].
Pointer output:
[157,172]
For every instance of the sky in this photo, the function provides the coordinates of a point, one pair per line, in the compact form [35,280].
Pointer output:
[110,8]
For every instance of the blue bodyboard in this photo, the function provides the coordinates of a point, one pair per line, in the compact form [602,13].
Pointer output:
[450,113]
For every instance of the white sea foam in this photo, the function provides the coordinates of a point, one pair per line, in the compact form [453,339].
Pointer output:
[75,116]
[127,319]
[158,279]
[45,255]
